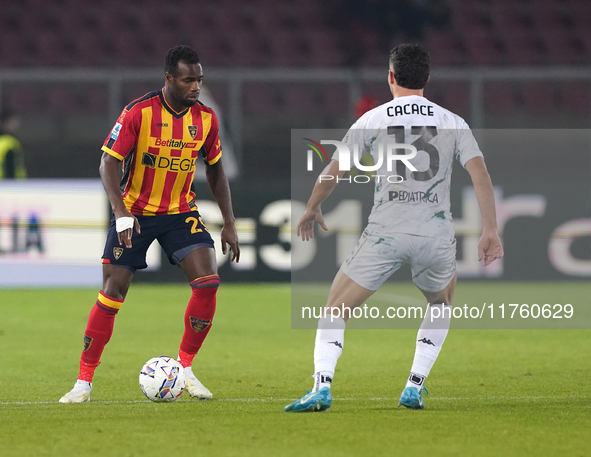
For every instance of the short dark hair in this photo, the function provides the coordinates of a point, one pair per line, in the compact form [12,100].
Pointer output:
[178,54]
[411,64]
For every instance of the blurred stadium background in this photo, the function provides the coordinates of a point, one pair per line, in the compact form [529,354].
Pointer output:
[67,67]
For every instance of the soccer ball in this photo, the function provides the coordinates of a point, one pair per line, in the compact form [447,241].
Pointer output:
[162,379]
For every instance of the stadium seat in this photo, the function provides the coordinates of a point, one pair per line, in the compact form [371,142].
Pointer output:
[520,47]
[546,16]
[13,50]
[323,48]
[285,49]
[192,18]
[128,49]
[584,36]
[560,47]
[246,49]
[113,19]
[466,14]
[481,47]
[507,17]
[34,18]
[579,12]
[210,46]
[229,17]
[89,49]
[307,15]
[155,18]
[50,49]
[266,17]
[444,48]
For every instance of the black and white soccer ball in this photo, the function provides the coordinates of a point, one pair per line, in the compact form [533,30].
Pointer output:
[162,379]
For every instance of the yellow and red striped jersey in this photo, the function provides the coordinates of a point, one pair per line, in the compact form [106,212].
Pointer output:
[159,149]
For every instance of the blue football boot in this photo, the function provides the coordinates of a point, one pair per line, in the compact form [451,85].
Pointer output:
[311,402]
[412,398]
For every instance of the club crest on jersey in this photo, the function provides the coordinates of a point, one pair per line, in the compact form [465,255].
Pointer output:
[87,343]
[199,324]
[117,252]
[192,131]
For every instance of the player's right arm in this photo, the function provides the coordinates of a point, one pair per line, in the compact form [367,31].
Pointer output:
[324,186]
[119,143]
[110,172]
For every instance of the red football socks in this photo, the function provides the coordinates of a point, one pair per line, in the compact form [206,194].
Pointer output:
[198,317]
[98,333]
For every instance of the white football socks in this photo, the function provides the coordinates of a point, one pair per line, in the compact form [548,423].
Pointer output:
[327,349]
[430,338]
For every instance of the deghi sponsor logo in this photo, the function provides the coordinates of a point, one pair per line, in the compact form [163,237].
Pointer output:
[168,163]
[175,144]
[412,197]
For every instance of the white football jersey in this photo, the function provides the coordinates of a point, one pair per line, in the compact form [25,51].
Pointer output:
[414,202]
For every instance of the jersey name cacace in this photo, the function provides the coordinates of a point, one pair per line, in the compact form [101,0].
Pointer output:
[410,108]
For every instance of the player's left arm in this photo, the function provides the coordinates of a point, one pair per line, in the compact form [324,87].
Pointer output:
[489,247]
[218,183]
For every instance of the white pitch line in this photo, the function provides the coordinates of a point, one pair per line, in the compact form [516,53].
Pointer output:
[271,400]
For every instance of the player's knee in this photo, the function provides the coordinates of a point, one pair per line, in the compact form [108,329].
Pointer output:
[115,290]
[447,301]
[109,303]
[116,283]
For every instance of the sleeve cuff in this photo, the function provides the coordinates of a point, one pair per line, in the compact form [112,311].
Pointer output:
[113,153]
[215,159]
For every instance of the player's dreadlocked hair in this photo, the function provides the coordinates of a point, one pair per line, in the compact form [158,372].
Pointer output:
[411,64]
[178,54]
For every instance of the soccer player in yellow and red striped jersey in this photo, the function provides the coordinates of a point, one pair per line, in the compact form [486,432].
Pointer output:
[147,168]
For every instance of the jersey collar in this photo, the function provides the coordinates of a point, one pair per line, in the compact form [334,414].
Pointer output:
[408,96]
[169,109]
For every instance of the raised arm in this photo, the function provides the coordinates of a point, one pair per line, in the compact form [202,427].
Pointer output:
[218,183]
[110,171]
[489,247]
[324,186]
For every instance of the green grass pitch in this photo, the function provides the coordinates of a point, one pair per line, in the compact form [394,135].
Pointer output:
[493,392]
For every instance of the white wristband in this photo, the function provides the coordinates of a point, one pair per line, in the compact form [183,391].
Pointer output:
[124,223]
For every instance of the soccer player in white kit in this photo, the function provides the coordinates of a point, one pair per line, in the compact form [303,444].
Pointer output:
[410,222]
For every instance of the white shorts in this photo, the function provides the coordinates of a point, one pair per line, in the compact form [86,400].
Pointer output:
[377,256]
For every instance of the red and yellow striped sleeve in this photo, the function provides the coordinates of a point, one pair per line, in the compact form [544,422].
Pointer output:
[123,137]
[212,148]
